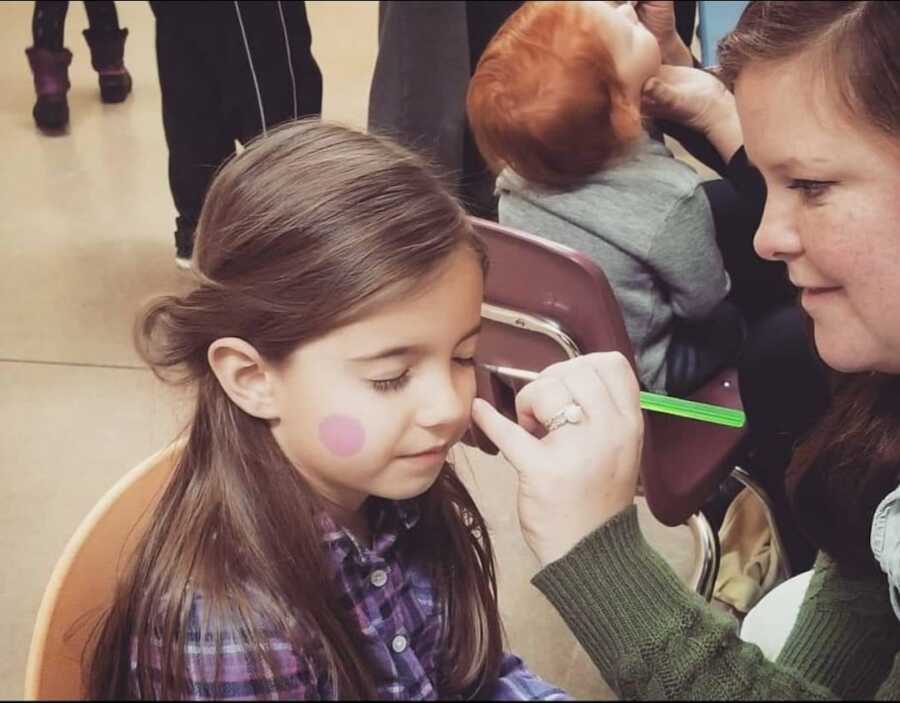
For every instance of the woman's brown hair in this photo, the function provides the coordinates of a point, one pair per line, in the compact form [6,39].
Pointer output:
[306,230]
[851,460]
[852,44]
[546,99]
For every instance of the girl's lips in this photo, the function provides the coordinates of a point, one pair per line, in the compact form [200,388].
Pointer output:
[427,460]
[428,453]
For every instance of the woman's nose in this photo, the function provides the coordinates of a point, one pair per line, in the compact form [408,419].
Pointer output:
[777,238]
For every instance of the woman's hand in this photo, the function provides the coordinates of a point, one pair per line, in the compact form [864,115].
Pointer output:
[658,16]
[696,99]
[574,478]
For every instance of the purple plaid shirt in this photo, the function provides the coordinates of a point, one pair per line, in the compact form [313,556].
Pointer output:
[394,604]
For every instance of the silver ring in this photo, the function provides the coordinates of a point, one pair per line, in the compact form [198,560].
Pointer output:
[572,414]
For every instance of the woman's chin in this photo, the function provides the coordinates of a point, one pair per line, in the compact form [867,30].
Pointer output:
[844,358]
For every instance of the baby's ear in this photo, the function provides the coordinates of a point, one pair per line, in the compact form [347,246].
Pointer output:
[244,376]
[625,118]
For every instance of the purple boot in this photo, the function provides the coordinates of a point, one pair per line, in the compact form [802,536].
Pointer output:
[108,60]
[51,83]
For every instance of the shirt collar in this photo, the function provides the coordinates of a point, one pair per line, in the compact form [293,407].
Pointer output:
[389,519]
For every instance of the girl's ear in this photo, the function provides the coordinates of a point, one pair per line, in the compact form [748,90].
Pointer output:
[244,376]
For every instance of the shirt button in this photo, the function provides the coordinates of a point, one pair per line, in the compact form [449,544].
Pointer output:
[399,643]
[378,578]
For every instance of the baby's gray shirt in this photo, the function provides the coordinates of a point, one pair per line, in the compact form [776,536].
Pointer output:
[647,222]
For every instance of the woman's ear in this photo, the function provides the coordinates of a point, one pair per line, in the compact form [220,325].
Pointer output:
[244,376]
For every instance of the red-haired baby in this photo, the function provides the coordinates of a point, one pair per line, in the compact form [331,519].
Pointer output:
[554,107]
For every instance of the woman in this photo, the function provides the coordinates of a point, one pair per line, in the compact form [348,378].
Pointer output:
[817,93]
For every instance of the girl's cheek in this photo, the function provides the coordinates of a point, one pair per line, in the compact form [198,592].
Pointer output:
[342,435]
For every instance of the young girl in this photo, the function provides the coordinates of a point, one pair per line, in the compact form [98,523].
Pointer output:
[553,105]
[314,542]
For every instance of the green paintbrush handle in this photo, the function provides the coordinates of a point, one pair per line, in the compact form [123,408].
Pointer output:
[693,410]
[654,402]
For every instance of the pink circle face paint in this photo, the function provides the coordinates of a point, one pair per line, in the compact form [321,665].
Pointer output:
[343,436]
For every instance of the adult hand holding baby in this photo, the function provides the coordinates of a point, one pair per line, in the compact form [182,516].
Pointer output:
[573,478]
[697,99]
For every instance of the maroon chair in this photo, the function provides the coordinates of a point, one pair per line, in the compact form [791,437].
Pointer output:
[544,303]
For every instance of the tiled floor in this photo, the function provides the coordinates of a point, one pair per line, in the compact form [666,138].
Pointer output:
[86,237]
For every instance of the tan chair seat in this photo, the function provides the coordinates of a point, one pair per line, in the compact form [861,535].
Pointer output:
[82,584]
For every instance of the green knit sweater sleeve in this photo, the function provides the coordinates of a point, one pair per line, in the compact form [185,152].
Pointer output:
[855,618]
[651,638]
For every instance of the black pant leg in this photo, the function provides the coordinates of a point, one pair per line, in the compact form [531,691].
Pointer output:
[427,52]
[196,134]
[272,74]
[483,19]
[307,76]
[225,72]
[685,19]
[419,82]
[48,23]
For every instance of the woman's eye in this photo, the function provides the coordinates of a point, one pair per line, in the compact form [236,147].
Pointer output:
[391,384]
[465,360]
[810,190]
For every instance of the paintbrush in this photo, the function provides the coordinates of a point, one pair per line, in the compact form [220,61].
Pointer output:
[654,402]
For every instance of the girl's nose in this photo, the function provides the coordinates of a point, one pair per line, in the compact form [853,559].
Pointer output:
[443,404]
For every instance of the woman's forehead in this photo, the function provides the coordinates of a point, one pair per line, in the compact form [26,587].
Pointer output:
[790,115]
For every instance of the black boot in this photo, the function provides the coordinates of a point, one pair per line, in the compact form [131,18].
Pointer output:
[51,83]
[107,58]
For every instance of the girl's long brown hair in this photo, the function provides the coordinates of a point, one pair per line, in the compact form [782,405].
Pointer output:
[305,231]
[851,460]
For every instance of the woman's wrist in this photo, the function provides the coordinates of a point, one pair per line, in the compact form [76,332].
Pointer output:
[724,128]
[564,540]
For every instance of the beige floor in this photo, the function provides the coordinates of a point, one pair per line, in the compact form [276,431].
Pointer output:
[86,237]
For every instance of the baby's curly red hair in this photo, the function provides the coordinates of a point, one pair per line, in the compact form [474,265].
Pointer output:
[546,99]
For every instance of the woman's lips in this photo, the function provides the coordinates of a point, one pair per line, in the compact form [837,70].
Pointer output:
[810,296]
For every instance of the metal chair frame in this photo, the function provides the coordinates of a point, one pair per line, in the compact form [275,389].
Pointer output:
[704,577]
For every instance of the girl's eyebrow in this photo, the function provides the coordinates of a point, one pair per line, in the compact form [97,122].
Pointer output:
[409,349]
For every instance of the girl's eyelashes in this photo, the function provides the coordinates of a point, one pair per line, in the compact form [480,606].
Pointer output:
[810,190]
[391,384]
[398,382]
